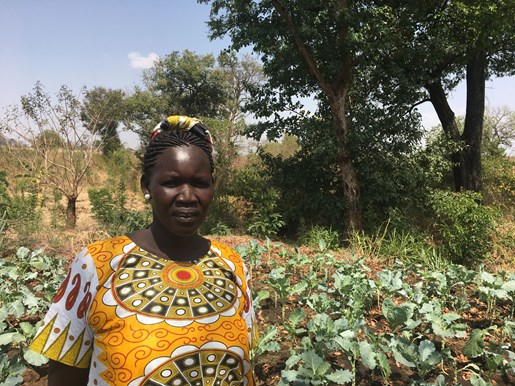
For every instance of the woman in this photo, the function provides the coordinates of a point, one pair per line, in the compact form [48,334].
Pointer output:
[162,305]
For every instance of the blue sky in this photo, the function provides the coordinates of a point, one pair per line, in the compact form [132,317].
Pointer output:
[107,42]
[89,42]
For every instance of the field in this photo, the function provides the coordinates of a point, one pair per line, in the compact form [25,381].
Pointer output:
[329,317]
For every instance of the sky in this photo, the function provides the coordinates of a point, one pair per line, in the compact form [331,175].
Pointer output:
[109,42]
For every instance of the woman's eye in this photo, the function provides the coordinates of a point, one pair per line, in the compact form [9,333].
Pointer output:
[202,184]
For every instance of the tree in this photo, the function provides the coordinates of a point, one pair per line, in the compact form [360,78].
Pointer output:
[188,82]
[39,122]
[499,131]
[306,50]
[143,110]
[101,113]
[440,43]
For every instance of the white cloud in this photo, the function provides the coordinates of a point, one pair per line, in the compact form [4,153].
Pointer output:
[139,61]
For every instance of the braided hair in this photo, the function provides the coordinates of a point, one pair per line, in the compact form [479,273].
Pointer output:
[173,138]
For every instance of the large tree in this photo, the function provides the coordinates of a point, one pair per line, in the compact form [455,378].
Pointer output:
[196,85]
[440,43]
[190,83]
[307,49]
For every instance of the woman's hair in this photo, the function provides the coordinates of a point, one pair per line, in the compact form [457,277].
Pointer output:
[173,138]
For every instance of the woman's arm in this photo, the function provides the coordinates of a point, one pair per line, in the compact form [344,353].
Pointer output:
[60,374]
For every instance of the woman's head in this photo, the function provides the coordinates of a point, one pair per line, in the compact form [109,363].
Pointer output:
[178,178]
[177,131]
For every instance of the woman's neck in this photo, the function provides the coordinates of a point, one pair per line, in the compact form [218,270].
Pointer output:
[163,244]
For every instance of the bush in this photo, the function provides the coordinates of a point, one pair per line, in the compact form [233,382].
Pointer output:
[499,183]
[311,236]
[254,188]
[462,227]
[109,208]
[20,208]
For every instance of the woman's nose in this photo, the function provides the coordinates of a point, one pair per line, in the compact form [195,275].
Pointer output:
[187,194]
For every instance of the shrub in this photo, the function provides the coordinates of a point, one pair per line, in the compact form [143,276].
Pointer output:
[20,208]
[253,187]
[499,183]
[462,227]
[311,236]
[109,208]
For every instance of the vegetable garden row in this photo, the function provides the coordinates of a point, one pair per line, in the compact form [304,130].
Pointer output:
[333,321]
[324,319]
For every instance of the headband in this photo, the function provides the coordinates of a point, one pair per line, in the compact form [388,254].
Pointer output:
[184,123]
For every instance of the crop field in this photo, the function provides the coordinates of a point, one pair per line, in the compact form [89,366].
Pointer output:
[325,318]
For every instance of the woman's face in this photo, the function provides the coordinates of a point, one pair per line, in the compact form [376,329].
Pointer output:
[181,187]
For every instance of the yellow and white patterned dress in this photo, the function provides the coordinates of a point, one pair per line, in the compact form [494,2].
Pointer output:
[137,319]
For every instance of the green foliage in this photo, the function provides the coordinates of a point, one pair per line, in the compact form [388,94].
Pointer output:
[462,226]
[499,183]
[123,165]
[20,207]
[102,110]
[313,235]
[28,282]
[328,316]
[252,186]
[308,183]
[109,208]
[189,82]
[49,139]
[265,224]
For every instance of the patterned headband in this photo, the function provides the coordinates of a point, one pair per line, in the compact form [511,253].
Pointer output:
[184,123]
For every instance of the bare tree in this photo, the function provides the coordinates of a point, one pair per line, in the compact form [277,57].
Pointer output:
[59,150]
[498,131]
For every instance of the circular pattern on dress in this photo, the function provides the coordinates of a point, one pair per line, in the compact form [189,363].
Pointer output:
[182,276]
[166,289]
[202,367]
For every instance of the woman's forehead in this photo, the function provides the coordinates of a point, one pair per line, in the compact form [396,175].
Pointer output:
[183,156]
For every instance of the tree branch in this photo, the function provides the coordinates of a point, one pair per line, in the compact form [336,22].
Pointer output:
[303,50]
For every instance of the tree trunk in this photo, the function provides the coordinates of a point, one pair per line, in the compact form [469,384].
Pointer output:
[71,213]
[351,188]
[473,128]
[450,128]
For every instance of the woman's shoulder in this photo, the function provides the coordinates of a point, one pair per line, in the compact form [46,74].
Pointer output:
[225,251]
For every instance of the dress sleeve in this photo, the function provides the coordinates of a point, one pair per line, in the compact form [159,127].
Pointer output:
[248,311]
[65,335]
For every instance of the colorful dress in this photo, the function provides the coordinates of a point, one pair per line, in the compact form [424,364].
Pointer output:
[136,319]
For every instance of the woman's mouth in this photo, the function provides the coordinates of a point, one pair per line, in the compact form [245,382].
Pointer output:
[186,216]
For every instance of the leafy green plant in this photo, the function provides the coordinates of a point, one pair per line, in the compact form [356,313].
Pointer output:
[221,229]
[266,343]
[315,233]
[21,205]
[493,289]
[264,224]
[335,316]
[463,227]
[309,368]
[28,281]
